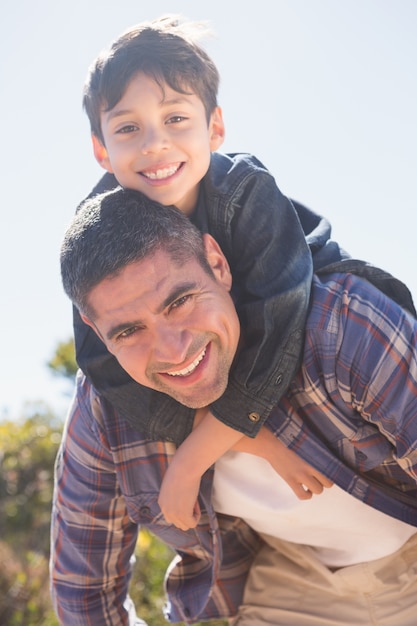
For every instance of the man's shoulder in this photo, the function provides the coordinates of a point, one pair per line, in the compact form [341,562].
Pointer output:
[86,400]
[385,282]
[339,296]
[332,289]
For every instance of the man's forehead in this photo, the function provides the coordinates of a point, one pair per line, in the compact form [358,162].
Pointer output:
[151,282]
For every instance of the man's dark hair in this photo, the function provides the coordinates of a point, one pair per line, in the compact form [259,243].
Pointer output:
[117,228]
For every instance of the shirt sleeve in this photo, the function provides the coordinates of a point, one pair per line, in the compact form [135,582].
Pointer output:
[378,358]
[362,347]
[93,539]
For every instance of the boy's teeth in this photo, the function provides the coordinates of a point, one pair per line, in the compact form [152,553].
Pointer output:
[187,370]
[162,173]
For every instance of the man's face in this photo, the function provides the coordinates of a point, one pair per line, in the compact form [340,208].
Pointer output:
[172,328]
[158,141]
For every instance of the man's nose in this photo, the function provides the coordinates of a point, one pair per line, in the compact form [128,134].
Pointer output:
[171,345]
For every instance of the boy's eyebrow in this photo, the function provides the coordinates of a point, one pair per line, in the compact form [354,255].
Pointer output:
[174,294]
[115,112]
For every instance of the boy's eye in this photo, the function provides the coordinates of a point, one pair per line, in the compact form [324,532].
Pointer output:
[129,128]
[175,119]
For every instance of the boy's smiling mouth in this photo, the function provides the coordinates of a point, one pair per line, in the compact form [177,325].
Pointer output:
[162,172]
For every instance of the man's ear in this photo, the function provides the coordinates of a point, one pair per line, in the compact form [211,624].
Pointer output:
[90,323]
[101,154]
[87,321]
[217,261]
[216,129]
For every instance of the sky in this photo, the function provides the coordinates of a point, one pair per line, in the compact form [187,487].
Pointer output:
[323,92]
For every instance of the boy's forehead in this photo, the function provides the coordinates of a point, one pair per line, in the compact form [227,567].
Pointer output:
[142,80]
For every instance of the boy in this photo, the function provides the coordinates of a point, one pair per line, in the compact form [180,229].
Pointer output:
[156,125]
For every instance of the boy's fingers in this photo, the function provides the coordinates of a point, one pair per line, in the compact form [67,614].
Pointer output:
[310,486]
[301,491]
[184,522]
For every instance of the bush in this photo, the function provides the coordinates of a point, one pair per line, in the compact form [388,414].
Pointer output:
[146,588]
[27,454]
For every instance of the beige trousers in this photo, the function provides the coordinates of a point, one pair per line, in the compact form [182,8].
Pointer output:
[288,586]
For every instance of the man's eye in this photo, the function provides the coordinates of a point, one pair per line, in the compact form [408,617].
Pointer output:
[180,302]
[127,333]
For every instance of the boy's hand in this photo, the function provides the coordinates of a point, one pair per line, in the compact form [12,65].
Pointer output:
[303,479]
[178,497]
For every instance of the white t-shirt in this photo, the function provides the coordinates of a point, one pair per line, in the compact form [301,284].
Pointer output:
[342,529]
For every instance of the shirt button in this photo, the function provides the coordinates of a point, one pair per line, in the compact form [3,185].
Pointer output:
[254,417]
[145,510]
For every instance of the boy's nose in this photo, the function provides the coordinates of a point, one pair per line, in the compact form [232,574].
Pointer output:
[154,140]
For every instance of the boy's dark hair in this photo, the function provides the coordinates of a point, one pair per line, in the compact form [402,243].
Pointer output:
[117,228]
[163,49]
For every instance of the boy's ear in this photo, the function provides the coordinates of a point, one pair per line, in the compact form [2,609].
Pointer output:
[217,261]
[101,154]
[216,129]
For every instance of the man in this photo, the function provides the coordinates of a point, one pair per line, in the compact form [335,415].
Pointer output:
[162,303]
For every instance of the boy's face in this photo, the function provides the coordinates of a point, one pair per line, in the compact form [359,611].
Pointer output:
[173,328]
[158,142]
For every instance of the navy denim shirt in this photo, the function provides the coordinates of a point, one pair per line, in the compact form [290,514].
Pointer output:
[271,244]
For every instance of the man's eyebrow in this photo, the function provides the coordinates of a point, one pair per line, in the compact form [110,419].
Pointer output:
[119,328]
[175,293]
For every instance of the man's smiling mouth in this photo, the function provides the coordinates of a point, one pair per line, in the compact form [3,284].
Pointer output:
[190,368]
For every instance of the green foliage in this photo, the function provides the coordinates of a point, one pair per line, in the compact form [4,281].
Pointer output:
[24,589]
[28,448]
[146,587]
[63,362]
[27,453]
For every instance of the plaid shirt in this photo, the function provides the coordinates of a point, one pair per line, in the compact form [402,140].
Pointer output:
[350,412]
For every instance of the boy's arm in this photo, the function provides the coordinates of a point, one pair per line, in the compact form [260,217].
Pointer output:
[179,491]
[303,479]
[208,441]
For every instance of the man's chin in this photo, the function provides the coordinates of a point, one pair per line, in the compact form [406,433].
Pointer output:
[197,400]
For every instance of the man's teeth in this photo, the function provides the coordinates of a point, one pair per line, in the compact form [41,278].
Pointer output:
[162,173]
[187,370]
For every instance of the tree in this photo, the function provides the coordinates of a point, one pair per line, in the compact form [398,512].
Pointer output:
[28,448]
[27,453]
[63,362]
